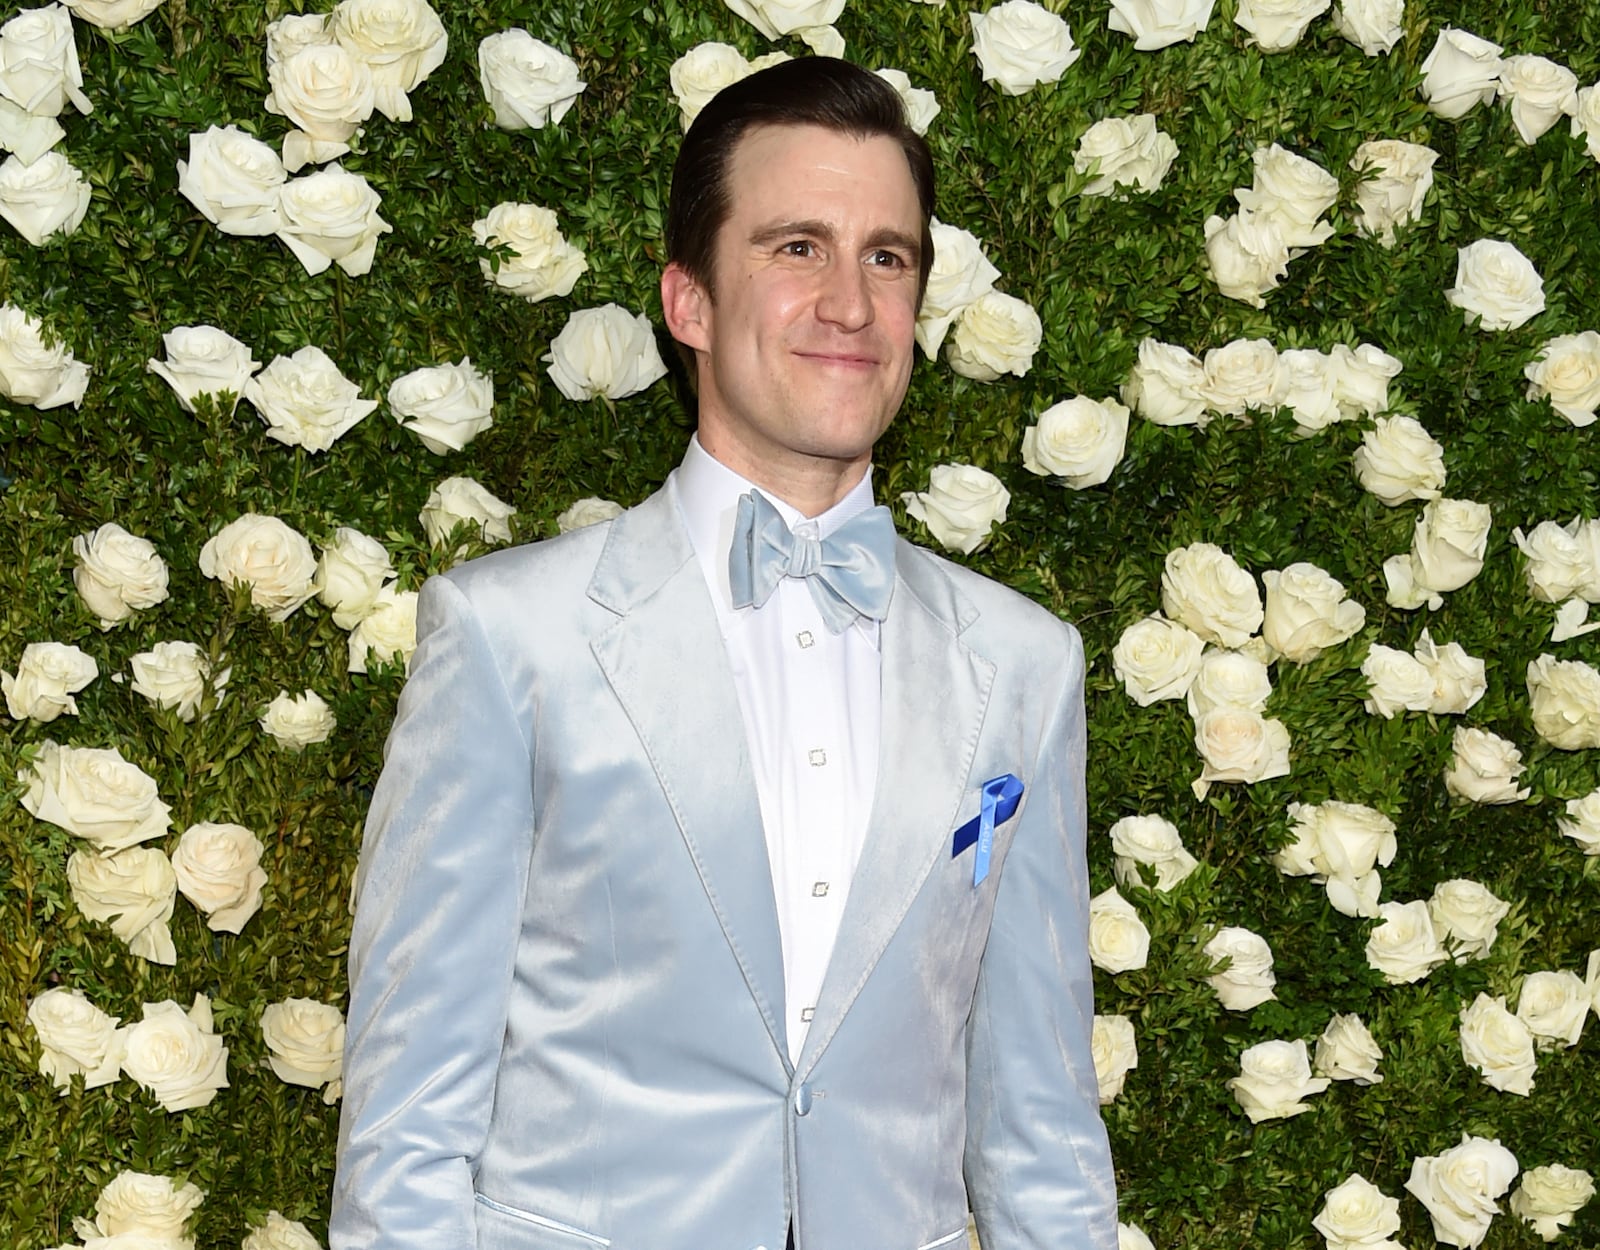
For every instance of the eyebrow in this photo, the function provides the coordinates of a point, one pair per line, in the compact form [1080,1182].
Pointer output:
[882,237]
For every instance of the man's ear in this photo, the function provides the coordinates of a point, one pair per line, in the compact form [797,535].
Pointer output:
[687,308]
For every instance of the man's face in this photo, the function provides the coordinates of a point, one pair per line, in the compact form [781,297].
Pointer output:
[804,345]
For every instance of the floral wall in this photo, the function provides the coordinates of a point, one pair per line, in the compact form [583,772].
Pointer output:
[1263,343]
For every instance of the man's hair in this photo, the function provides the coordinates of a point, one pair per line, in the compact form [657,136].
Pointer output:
[807,91]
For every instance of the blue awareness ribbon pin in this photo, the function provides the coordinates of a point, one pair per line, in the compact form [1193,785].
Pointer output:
[998,804]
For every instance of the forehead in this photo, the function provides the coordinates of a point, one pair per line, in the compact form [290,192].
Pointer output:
[813,172]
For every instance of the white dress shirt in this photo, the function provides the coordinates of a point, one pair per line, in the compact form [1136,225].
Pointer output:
[811,706]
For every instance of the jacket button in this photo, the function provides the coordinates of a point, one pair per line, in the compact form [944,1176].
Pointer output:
[802,1099]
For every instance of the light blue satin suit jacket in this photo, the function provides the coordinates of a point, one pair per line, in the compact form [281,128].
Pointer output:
[566,1010]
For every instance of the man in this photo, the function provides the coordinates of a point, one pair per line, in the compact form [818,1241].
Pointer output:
[700,906]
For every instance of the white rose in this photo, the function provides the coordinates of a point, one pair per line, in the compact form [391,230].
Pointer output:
[701,72]
[1307,611]
[1247,255]
[996,333]
[327,91]
[1237,744]
[1396,682]
[174,675]
[1498,284]
[32,372]
[306,1041]
[961,274]
[76,1038]
[1459,680]
[1203,587]
[298,721]
[1484,768]
[47,197]
[1564,697]
[290,34]
[1374,26]
[1273,1078]
[1306,386]
[39,63]
[961,506]
[112,14]
[1118,939]
[1498,1045]
[920,104]
[586,512]
[542,263]
[134,890]
[1361,377]
[1459,1187]
[1131,1236]
[1550,1196]
[331,217]
[1447,548]
[446,406]
[233,179]
[1228,679]
[94,794]
[1248,979]
[351,572]
[203,360]
[1156,659]
[1539,92]
[386,632]
[1554,1006]
[1241,375]
[1582,822]
[117,573]
[605,351]
[1130,152]
[527,83]
[1153,841]
[280,1233]
[305,401]
[176,1055]
[1465,916]
[1560,563]
[1347,1051]
[1160,23]
[1341,845]
[1275,25]
[144,1205]
[1115,1052]
[28,135]
[1460,73]
[1020,45]
[47,676]
[458,499]
[1586,119]
[218,867]
[1079,441]
[1399,461]
[401,41]
[1291,192]
[1357,1215]
[1567,370]
[1166,385]
[1401,175]
[776,18]
[1404,945]
[263,553]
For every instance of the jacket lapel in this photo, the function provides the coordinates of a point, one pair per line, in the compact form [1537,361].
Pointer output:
[935,693]
[691,730]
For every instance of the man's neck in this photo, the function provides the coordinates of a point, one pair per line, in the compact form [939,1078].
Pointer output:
[809,484]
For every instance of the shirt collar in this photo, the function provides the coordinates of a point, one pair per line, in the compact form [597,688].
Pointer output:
[708,496]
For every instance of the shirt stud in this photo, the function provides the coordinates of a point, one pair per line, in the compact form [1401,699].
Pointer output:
[819,889]
[817,756]
[804,638]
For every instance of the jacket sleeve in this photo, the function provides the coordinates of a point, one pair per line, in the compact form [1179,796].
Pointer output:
[443,874]
[1038,1162]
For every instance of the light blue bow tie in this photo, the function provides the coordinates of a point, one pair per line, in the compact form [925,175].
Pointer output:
[850,572]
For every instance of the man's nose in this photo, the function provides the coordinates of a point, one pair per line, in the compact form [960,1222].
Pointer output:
[845,299]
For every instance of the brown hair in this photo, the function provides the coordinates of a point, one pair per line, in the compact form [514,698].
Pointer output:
[807,91]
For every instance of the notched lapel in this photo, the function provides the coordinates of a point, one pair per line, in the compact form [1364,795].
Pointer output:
[692,730]
[935,694]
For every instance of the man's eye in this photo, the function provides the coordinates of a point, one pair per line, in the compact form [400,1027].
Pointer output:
[797,247]
[889,260]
